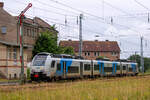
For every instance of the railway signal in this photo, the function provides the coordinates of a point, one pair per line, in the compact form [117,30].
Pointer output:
[20,20]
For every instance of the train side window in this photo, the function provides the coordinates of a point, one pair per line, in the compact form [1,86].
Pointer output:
[130,69]
[73,69]
[108,69]
[53,64]
[86,67]
[118,67]
[59,67]
[124,67]
[96,67]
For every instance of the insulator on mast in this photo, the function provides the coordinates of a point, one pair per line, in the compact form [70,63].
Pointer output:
[66,20]
[111,20]
[148,17]
[77,20]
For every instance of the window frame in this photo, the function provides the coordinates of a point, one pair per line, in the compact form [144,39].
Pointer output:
[3,29]
[87,67]
[53,64]
[59,67]
[73,69]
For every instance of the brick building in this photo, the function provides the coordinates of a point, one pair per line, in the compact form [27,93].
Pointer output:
[10,66]
[94,49]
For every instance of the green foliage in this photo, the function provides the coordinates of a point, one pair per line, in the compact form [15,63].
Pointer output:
[146,63]
[125,88]
[100,57]
[68,50]
[47,42]
[53,27]
[28,73]
[137,59]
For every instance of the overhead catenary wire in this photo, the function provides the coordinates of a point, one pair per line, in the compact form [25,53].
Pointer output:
[142,5]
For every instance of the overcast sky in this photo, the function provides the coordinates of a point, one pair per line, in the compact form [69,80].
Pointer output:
[129,20]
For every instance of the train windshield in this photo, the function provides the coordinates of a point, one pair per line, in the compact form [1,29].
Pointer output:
[39,60]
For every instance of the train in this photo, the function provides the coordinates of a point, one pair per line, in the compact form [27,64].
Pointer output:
[48,66]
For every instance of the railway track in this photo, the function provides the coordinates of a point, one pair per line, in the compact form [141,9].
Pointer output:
[15,83]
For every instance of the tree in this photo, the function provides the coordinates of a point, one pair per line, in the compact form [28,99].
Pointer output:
[69,50]
[47,42]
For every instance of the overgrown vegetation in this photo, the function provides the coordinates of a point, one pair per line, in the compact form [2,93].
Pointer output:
[47,42]
[127,88]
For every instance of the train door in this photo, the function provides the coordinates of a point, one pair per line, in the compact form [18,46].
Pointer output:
[114,65]
[121,69]
[81,69]
[101,68]
[64,69]
[91,68]
[124,68]
[127,69]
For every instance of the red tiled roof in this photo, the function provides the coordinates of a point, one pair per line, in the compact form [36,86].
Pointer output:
[89,46]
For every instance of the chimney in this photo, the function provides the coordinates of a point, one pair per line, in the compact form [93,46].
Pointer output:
[96,40]
[107,40]
[1,4]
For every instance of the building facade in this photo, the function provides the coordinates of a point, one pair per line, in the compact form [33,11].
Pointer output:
[10,66]
[94,49]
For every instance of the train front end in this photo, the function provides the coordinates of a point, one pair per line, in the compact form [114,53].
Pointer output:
[39,68]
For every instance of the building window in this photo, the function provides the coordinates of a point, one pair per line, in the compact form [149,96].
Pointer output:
[4,29]
[32,33]
[25,30]
[97,53]
[9,53]
[28,32]
[85,53]
[88,53]
[15,53]
[9,76]
[114,53]
[94,53]
[15,75]
[35,32]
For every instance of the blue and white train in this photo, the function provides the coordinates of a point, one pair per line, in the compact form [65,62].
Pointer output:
[47,66]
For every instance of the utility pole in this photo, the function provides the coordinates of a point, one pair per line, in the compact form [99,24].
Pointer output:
[80,35]
[20,20]
[135,57]
[142,60]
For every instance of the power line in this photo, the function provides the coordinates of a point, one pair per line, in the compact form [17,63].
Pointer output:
[76,9]
[55,7]
[120,9]
[83,12]
[142,5]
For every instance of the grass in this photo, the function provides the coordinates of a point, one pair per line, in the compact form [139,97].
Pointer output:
[7,80]
[127,88]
